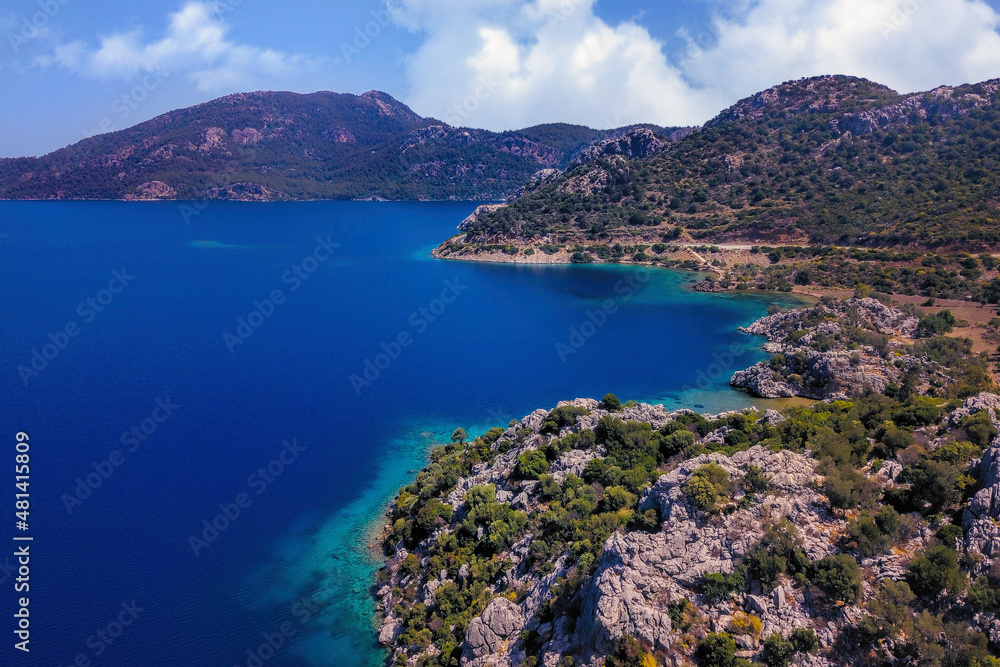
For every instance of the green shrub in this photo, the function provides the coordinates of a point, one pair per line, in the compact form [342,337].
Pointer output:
[979,428]
[611,403]
[562,417]
[839,576]
[870,535]
[755,481]
[984,595]
[682,614]
[846,488]
[617,498]
[777,651]
[934,325]
[934,571]
[949,535]
[716,586]
[707,485]
[531,465]
[717,649]
[675,443]
[804,640]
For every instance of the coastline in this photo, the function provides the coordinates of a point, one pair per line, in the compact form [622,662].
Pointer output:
[518,466]
[807,295]
[973,317]
[373,532]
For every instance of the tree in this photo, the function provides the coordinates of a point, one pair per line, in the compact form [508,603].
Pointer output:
[777,651]
[934,571]
[531,465]
[839,576]
[460,435]
[717,649]
[611,403]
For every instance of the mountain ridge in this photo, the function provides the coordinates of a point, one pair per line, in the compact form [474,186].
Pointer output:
[824,160]
[273,145]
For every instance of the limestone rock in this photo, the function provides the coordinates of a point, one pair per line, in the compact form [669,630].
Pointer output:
[760,380]
[487,637]
[640,573]
[390,630]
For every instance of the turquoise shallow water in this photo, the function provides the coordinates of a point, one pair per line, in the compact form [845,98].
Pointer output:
[486,343]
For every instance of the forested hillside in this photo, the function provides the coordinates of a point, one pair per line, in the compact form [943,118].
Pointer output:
[279,145]
[828,160]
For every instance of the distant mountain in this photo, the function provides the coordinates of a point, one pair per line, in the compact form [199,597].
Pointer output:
[823,160]
[280,145]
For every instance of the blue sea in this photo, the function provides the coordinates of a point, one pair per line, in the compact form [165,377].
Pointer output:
[220,398]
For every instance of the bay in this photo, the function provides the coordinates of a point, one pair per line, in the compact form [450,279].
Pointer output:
[210,375]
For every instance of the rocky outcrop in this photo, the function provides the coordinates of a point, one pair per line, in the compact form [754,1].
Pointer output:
[943,103]
[643,572]
[482,210]
[640,573]
[831,350]
[762,381]
[244,192]
[634,144]
[488,637]
[981,519]
[152,190]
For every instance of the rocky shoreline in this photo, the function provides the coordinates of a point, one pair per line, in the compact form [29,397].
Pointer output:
[831,350]
[483,569]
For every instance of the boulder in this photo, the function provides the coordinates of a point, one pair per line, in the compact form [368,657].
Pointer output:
[488,635]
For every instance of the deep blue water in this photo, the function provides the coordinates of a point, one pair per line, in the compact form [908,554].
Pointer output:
[487,356]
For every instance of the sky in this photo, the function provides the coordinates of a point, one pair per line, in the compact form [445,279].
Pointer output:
[74,68]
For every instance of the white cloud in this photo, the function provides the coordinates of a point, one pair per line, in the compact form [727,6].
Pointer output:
[503,64]
[909,45]
[195,43]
